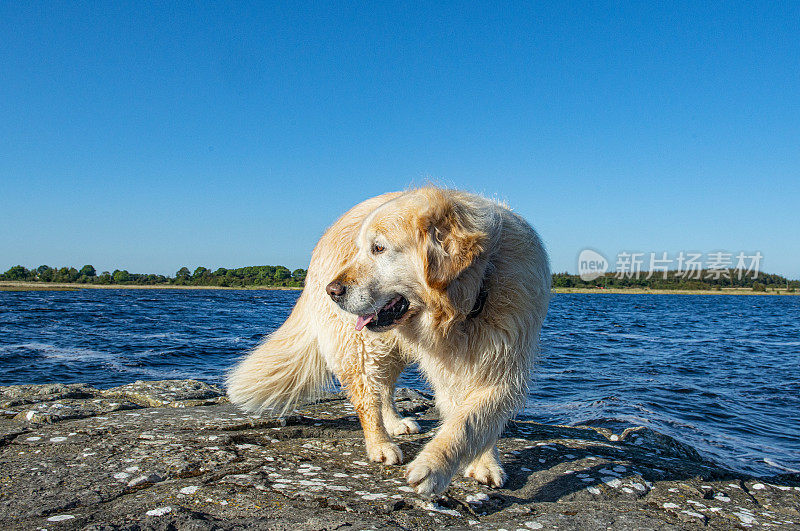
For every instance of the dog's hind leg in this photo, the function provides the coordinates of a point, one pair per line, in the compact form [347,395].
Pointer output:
[486,469]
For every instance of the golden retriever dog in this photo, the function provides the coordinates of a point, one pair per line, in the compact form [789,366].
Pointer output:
[452,281]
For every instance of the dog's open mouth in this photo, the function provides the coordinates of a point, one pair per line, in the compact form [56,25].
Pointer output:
[386,317]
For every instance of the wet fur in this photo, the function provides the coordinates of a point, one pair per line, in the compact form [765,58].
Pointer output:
[448,244]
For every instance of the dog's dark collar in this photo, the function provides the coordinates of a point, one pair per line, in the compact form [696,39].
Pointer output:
[480,302]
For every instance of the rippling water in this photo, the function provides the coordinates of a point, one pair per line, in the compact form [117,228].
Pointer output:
[719,372]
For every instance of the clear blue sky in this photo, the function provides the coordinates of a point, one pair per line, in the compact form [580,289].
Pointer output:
[152,136]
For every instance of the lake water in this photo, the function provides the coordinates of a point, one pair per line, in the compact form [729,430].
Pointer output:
[719,372]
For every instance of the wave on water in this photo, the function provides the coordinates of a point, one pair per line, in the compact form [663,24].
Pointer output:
[44,350]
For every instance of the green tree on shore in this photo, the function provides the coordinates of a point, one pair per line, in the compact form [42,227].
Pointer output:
[280,276]
[299,275]
[17,272]
[45,273]
[121,277]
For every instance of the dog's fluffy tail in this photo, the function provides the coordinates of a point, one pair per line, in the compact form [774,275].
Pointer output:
[283,371]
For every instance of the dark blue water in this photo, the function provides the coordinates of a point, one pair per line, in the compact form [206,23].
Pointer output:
[721,373]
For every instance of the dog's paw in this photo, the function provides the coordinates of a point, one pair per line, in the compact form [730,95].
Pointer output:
[387,453]
[488,472]
[427,479]
[403,426]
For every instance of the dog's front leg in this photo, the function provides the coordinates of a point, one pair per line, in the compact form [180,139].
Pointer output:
[366,398]
[469,429]
[395,423]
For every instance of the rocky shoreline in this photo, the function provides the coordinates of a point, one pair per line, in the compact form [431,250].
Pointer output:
[175,454]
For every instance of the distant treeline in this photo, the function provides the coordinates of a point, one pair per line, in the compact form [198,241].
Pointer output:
[280,276]
[273,276]
[697,280]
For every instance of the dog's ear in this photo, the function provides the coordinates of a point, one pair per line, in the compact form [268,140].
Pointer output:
[451,240]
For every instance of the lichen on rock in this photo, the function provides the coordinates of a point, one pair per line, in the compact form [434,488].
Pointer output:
[175,454]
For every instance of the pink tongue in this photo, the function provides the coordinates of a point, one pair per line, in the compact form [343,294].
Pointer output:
[362,321]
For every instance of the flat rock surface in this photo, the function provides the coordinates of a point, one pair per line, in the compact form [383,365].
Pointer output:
[175,455]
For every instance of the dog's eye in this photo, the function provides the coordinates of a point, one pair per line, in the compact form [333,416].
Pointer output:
[377,249]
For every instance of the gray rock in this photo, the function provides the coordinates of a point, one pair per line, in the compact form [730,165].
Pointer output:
[178,456]
[15,395]
[58,410]
[168,393]
[143,481]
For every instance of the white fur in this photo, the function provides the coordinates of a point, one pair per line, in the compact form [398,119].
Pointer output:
[441,246]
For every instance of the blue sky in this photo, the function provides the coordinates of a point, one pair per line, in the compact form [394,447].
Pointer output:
[152,136]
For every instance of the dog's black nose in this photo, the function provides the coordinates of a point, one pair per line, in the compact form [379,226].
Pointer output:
[335,289]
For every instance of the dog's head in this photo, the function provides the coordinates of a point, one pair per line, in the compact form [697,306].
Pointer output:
[418,253]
